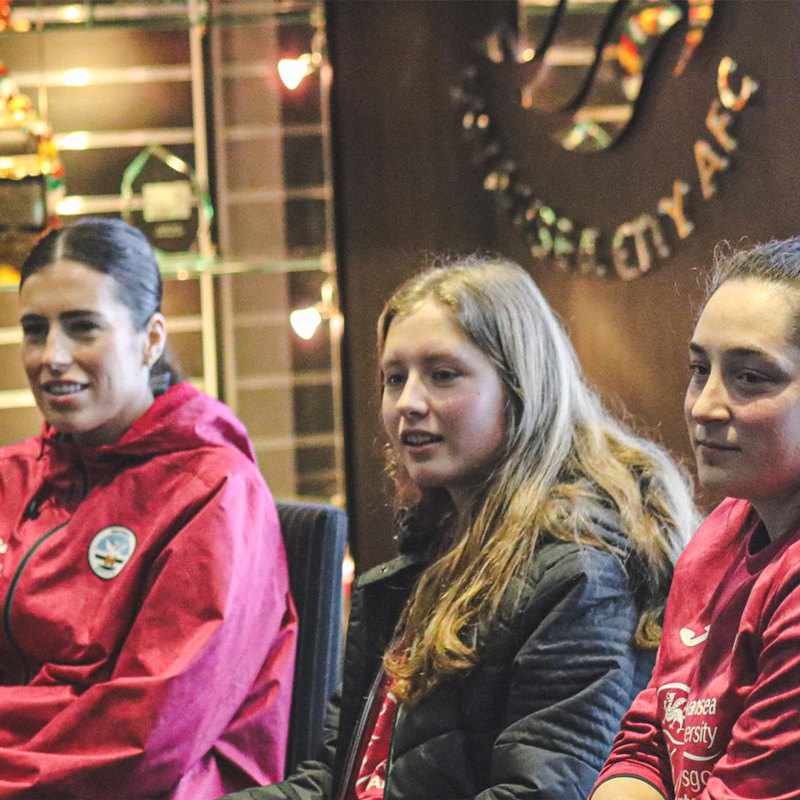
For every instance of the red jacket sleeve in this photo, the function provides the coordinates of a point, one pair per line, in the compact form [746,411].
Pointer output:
[204,673]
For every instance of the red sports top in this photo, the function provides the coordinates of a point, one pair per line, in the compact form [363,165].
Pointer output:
[720,719]
[370,783]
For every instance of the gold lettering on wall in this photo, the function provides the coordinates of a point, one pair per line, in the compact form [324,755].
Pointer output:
[587,262]
[635,244]
[636,230]
[731,100]
[673,208]
[709,163]
[717,122]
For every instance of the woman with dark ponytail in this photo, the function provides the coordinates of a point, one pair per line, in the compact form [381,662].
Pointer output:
[148,640]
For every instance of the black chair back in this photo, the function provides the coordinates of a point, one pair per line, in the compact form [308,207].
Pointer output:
[314,536]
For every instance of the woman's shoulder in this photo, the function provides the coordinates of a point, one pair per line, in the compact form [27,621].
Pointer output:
[718,532]
[562,580]
[194,430]
[560,568]
[25,449]
[599,544]
[562,564]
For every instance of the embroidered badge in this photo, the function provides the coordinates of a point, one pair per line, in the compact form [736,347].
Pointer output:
[110,551]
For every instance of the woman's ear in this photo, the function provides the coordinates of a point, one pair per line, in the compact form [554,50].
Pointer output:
[155,338]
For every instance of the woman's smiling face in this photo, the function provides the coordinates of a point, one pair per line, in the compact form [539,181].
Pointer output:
[87,365]
[743,401]
[443,402]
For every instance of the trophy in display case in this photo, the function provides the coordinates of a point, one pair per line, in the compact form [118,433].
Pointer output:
[163,198]
[31,178]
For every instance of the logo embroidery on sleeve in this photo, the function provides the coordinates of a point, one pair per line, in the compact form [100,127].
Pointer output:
[110,551]
[692,639]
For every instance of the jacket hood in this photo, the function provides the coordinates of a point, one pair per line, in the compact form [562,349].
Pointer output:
[181,419]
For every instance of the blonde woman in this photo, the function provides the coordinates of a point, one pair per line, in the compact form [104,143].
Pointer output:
[497,654]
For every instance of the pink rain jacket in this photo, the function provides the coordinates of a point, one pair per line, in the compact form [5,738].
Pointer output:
[147,637]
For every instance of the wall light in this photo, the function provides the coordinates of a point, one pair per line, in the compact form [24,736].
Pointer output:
[77,140]
[305,321]
[70,206]
[76,77]
[74,13]
[293,70]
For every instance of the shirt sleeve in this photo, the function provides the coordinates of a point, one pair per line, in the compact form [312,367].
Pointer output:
[572,679]
[211,647]
[313,779]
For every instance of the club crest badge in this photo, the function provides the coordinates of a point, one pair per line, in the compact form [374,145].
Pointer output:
[110,551]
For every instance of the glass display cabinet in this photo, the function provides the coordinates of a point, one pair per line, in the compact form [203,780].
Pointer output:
[198,84]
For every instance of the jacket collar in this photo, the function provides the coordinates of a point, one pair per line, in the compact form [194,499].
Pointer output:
[406,562]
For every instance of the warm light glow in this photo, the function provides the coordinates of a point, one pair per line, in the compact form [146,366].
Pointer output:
[74,14]
[337,325]
[70,206]
[305,321]
[75,77]
[79,140]
[293,70]
[348,570]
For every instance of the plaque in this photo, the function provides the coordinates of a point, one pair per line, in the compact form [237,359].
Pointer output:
[163,198]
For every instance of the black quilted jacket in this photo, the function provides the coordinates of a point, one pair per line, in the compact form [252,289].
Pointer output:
[535,720]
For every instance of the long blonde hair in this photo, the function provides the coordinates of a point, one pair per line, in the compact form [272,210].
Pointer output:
[563,456]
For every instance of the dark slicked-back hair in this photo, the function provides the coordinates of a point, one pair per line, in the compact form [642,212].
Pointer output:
[777,261]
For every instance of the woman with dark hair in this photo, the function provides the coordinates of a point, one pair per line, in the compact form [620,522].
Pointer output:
[148,635]
[720,716]
[495,657]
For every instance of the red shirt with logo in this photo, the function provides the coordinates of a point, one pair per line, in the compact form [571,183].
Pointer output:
[720,719]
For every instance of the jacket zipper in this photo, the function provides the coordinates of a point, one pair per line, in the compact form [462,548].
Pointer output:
[355,742]
[10,596]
